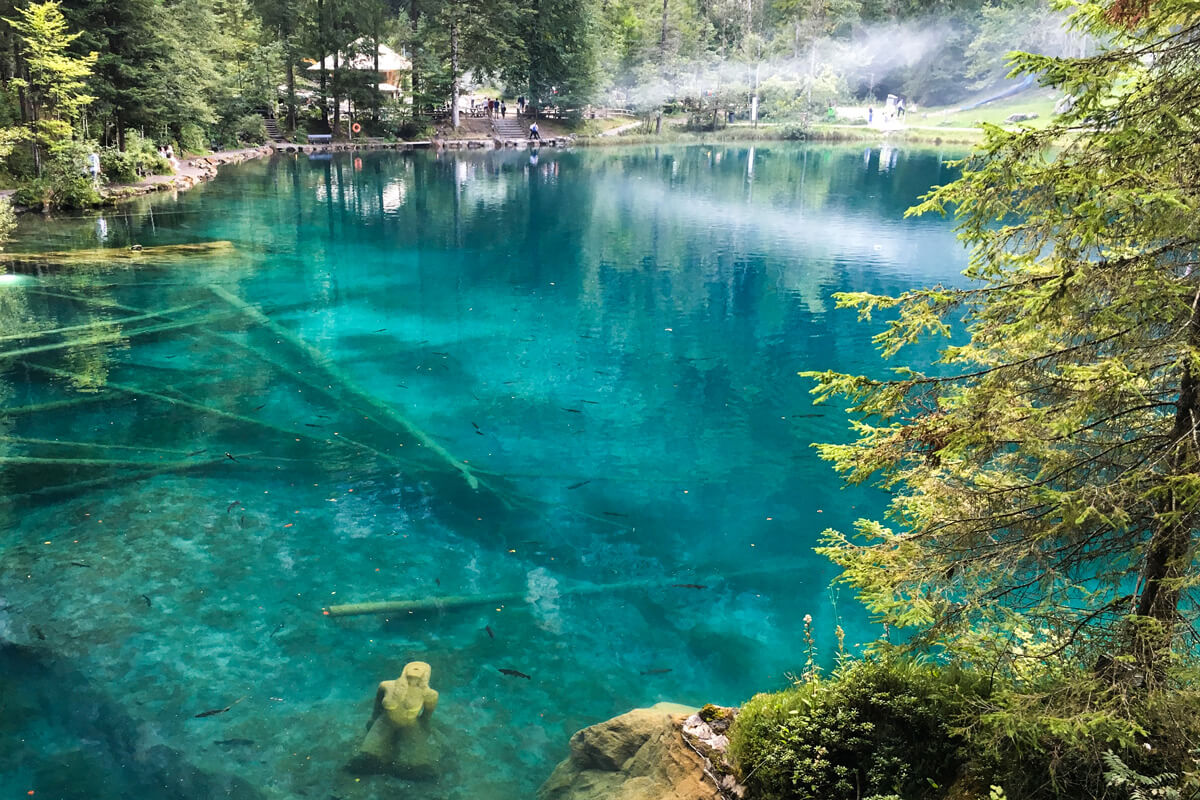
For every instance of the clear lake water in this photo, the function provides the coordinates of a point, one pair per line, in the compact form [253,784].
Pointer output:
[564,384]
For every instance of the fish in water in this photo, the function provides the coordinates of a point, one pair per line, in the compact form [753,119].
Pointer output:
[80,564]
[233,505]
[278,628]
[381,330]
[310,425]
[260,408]
[514,673]
[573,410]
[230,456]
[146,597]
[614,514]
[196,453]
[214,711]
[437,581]
[688,586]
[234,742]
[242,521]
[488,628]
[436,353]
[577,485]
[593,402]
[38,633]
[656,671]
[806,416]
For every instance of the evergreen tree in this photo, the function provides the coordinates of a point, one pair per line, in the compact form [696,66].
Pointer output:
[561,47]
[56,86]
[1046,478]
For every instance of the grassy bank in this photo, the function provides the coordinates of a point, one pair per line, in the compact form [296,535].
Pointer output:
[818,133]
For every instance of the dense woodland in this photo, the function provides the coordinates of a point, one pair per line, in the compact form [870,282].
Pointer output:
[196,73]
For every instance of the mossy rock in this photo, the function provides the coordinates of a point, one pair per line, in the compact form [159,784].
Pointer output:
[711,713]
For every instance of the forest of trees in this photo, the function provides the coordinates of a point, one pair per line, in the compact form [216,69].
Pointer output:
[196,72]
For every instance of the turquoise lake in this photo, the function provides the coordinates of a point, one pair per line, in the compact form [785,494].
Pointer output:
[553,398]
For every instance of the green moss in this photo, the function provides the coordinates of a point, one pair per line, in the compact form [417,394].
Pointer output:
[711,713]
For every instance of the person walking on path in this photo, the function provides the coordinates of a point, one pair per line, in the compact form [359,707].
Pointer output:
[503,110]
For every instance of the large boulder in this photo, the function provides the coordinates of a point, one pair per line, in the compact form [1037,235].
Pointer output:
[640,755]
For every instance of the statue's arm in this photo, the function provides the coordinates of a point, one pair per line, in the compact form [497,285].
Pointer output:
[431,698]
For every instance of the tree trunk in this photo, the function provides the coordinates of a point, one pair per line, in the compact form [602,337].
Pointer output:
[1171,545]
[321,39]
[291,84]
[337,99]
[454,74]
[376,95]
[414,15]
[662,37]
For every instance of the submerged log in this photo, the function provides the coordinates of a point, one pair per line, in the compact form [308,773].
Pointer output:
[161,254]
[340,378]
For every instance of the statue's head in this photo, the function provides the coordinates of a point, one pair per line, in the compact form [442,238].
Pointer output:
[416,673]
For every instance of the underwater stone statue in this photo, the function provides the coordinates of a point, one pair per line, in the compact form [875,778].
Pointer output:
[397,740]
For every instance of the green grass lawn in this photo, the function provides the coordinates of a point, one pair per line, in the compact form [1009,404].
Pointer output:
[1038,101]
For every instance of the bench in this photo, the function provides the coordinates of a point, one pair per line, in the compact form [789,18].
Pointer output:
[320,138]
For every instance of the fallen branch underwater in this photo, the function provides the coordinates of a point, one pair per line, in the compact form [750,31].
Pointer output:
[157,255]
[322,361]
[170,324]
[470,601]
[114,336]
[37,334]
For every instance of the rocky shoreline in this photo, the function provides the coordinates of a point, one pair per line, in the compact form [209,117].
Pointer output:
[665,752]
[191,172]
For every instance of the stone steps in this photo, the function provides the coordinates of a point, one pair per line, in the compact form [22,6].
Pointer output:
[509,128]
[272,129]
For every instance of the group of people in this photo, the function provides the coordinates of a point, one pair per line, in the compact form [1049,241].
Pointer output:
[893,110]
[492,106]
[168,154]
